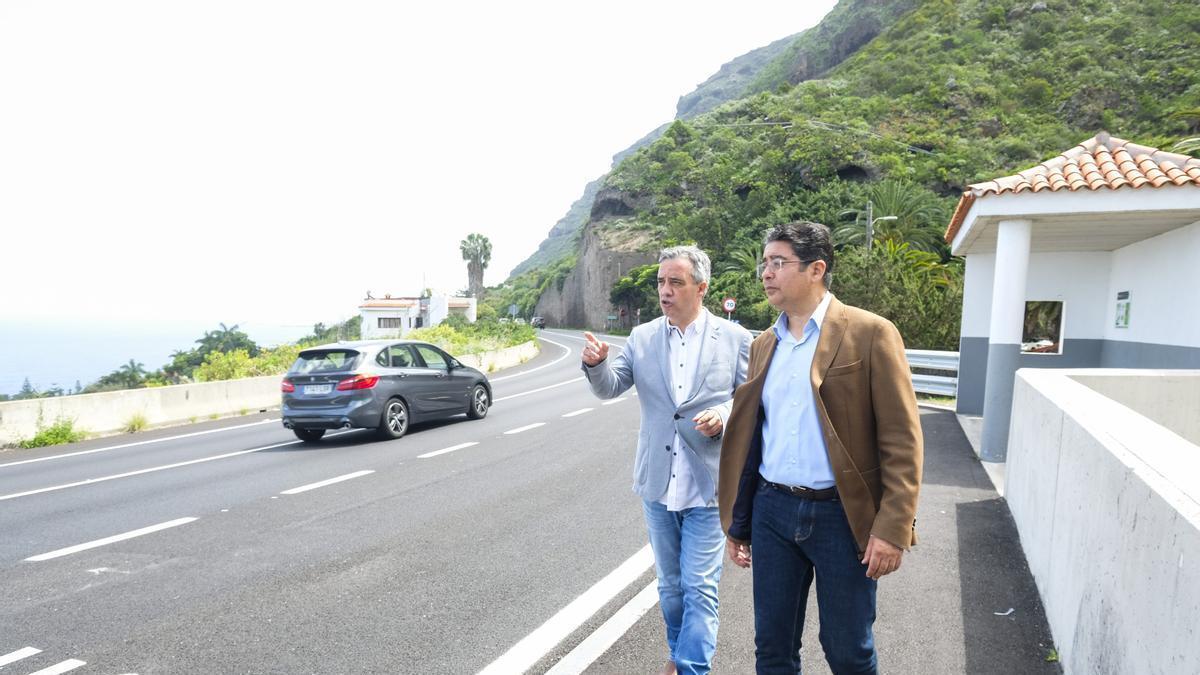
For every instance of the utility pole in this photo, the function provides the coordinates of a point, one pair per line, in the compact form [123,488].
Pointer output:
[870,226]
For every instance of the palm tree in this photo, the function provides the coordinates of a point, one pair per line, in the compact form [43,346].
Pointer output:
[477,251]
[132,374]
[919,217]
[741,262]
[1189,145]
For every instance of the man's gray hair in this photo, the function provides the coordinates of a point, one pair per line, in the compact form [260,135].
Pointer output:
[701,266]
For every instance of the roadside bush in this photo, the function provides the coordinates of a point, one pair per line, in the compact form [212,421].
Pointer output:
[473,338]
[136,423]
[62,431]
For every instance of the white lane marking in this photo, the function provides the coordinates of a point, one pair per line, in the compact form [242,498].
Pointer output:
[537,644]
[534,391]
[13,657]
[90,481]
[110,540]
[443,451]
[607,634]
[566,350]
[527,427]
[622,338]
[321,484]
[579,412]
[63,667]
[130,445]
[615,400]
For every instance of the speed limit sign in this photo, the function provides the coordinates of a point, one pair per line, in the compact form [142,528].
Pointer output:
[729,304]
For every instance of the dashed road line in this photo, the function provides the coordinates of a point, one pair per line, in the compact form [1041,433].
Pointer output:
[110,540]
[331,481]
[615,400]
[443,451]
[527,427]
[139,472]
[130,445]
[59,668]
[534,391]
[13,657]
[579,412]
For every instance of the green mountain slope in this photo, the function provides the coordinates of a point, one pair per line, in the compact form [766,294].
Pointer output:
[950,94]
[915,99]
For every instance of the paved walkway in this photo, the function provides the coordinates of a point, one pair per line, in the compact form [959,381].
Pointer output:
[964,601]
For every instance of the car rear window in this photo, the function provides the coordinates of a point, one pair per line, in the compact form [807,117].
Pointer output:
[325,361]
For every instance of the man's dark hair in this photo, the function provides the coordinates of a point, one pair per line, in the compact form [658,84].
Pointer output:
[810,241]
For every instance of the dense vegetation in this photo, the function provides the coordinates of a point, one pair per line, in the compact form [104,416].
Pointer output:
[949,94]
[457,336]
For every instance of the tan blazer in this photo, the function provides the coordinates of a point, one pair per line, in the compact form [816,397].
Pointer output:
[868,412]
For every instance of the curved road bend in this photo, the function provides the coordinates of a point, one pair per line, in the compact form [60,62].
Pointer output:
[231,547]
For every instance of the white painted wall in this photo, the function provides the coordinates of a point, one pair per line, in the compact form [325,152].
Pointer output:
[1079,280]
[371,316]
[1107,505]
[1163,275]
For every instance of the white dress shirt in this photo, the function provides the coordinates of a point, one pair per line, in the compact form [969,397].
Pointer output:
[682,490]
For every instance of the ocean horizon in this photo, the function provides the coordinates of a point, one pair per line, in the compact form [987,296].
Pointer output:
[59,354]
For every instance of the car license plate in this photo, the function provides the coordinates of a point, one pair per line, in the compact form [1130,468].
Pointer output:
[318,388]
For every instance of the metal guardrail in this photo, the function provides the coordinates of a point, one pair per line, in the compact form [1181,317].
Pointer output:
[925,359]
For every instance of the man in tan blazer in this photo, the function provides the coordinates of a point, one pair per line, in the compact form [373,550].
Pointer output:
[821,460]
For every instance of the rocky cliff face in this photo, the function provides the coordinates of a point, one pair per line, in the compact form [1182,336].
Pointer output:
[607,244]
[611,244]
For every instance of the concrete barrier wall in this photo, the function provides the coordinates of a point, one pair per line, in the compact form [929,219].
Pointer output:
[1107,504]
[110,412]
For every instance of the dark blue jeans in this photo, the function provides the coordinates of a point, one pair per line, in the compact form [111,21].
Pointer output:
[794,540]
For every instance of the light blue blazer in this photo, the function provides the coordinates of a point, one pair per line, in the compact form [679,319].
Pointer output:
[724,357]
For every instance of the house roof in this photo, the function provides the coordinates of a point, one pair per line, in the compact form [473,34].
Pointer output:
[1099,163]
[389,303]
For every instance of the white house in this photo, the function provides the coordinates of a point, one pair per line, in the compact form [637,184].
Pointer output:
[1104,241]
[390,317]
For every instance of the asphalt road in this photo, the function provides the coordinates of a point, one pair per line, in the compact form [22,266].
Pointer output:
[425,565]
[496,546]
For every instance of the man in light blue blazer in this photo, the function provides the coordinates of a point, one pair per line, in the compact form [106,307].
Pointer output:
[685,366]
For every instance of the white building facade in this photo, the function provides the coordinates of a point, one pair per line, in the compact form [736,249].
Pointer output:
[390,317]
[1109,229]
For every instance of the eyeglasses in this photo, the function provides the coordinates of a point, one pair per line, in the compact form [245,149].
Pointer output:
[776,264]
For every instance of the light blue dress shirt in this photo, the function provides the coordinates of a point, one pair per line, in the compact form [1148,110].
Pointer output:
[794,451]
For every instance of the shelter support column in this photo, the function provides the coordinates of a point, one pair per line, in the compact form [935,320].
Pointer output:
[1004,335]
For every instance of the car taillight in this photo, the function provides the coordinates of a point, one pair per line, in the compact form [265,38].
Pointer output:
[287,387]
[358,382]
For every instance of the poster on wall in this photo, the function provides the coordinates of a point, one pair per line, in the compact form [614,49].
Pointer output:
[1124,300]
[1042,332]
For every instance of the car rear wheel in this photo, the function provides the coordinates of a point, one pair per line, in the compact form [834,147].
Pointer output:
[309,435]
[480,402]
[395,419]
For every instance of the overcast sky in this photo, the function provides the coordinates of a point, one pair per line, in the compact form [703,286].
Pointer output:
[273,161]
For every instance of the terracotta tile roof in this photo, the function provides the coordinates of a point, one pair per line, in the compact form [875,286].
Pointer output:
[1099,163]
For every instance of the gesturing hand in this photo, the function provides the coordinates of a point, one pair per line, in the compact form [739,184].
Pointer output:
[594,351]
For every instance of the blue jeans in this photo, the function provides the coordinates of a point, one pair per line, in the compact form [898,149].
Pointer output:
[794,540]
[688,546]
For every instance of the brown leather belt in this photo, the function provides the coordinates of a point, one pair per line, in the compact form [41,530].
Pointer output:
[802,492]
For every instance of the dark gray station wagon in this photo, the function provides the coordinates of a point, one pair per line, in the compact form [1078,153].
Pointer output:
[378,384]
